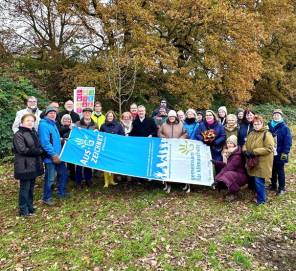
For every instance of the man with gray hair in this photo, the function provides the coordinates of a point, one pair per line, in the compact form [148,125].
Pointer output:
[31,109]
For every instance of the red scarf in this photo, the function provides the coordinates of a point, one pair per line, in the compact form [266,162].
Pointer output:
[134,115]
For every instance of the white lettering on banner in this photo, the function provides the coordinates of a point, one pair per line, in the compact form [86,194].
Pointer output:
[97,149]
[86,156]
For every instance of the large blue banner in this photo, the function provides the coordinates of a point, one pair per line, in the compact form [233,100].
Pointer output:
[175,160]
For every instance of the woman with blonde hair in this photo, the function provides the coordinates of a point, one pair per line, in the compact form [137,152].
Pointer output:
[231,127]
[126,122]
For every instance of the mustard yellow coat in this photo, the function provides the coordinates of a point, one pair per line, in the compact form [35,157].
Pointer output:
[263,149]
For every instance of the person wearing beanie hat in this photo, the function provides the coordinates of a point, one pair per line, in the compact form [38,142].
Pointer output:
[216,144]
[163,102]
[282,136]
[172,128]
[240,114]
[88,123]
[161,117]
[199,116]
[222,114]
[50,140]
[233,174]
[190,123]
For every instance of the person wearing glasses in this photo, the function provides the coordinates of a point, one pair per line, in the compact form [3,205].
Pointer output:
[30,109]
[163,102]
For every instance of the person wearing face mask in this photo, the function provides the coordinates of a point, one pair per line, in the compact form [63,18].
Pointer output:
[69,109]
[281,131]
[31,109]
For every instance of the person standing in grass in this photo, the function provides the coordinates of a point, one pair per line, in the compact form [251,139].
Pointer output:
[51,142]
[111,126]
[27,162]
[281,131]
[258,149]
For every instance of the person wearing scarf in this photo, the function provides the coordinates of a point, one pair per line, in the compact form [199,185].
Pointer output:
[211,123]
[231,126]
[191,123]
[281,131]
[233,174]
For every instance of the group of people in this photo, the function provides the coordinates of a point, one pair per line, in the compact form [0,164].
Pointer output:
[244,151]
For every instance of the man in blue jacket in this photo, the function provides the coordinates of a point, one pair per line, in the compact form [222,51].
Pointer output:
[51,143]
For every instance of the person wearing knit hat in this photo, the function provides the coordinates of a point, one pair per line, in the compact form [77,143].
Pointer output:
[161,117]
[199,115]
[163,102]
[222,114]
[282,134]
[190,123]
[216,143]
[49,109]
[239,114]
[233,174]
[172,128]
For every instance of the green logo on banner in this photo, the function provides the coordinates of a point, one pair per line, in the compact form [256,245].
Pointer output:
[186,148]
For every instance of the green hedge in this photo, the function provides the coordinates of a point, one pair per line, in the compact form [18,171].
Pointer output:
[14,91]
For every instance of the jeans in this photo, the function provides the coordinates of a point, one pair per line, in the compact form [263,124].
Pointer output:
[62,173]
[260,189]
[26,196]
[278,173]
[87,174]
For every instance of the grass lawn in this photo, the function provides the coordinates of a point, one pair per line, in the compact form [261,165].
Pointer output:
[138,227]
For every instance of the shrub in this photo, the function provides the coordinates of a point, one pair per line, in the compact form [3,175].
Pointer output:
[14,91]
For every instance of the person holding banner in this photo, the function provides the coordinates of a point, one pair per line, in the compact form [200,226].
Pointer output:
[212,133]
[87,123]
[172,128]
[51,143]
[126,122]
[111,126]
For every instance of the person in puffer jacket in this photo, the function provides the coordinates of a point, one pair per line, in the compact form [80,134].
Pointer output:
[281,131]
[191,123]
[233,174]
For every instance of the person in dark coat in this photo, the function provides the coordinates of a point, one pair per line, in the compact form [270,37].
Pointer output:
[111,126]
[282,132]
[211,123]
[142,125]
[233,174]
[69,109]
[27,162]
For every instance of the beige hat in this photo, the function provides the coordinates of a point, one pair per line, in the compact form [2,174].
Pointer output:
[223,108]
[172,113]
[232,139]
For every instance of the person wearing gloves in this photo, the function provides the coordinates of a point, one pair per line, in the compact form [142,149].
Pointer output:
[233,174]
[212,133]
[51,143]
[222,115]
[190,123]
[172,128]
[281,131]
[27,162]
[258,150]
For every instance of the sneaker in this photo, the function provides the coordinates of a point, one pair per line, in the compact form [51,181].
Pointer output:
[281,192]
[49,202]
[271,187]
[67,195]
[79,186]
[89,184]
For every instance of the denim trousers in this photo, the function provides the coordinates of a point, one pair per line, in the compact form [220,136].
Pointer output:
[260,189]
[62,173]
[26,196]
[87,174]
[278,173]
